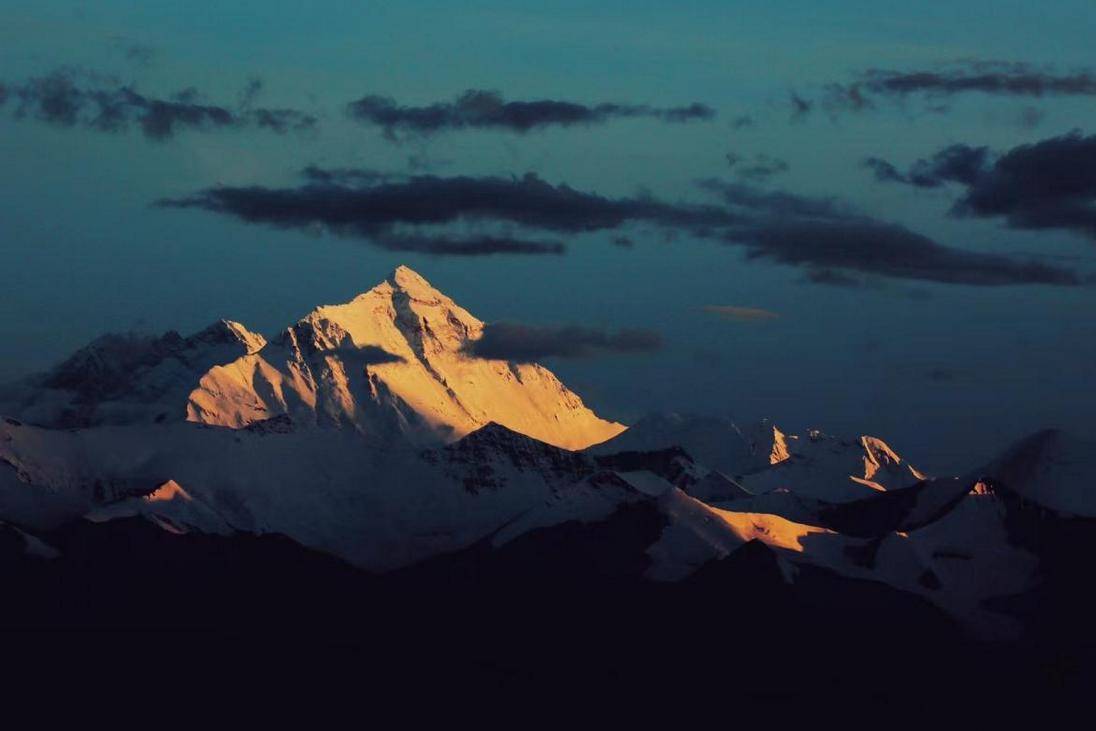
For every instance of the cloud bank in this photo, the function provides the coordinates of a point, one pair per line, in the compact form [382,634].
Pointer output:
[68,98]
[957,164]
[481,109]
[813,233]
[934,87]
[1049,184]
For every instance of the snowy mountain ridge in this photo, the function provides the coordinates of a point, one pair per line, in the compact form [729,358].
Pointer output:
[365,431]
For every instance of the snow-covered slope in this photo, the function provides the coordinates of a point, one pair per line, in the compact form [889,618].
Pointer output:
[1051,469]
[386,508]
[394,359]
[716,442]
[378,508]
[127,379]
[833,469]
[763,459]
[958,562]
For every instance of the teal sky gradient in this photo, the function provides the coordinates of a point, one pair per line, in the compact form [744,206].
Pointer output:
[947,373]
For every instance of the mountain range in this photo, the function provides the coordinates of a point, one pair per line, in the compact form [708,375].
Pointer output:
[366,453]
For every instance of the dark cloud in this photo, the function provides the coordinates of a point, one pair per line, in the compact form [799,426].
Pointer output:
[934,87]
[362,356]
[1012,79]
[431,200]
[774,203]
[866,245]
[529,343]
[69,98]
[251,92]
[440,245]
[54,99]
[853,97]
[757,169]
[1047,185]
[488,110]
[821,234]
[161,119]
[885,172]
[801,107]
[954,164]
[1050,184]
[282,120]
[742,122]
[814,233]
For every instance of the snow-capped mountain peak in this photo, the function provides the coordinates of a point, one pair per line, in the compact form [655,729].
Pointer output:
[394,360]
[391,363]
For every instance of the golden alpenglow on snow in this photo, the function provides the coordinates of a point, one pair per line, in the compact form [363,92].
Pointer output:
[393,360]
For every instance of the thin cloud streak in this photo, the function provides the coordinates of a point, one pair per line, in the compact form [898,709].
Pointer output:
[69,99]
[482,109]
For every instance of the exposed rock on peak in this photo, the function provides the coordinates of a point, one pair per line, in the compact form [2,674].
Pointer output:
[834,469]
[229,332]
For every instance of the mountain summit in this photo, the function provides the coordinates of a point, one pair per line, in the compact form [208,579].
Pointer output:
[394,360]
[391,363]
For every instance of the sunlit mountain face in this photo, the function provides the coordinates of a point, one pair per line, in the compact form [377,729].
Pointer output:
[702,351]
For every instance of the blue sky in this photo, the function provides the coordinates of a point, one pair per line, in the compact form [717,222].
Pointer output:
[948,373]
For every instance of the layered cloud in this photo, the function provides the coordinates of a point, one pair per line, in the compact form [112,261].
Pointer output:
[413,213]
[348,204]
[1050,184]
[1047,185]
[530,343]
[956,163]
[823,234]
[480,109]
[68,98]
[936,86]
[1011,79]
[474,245]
